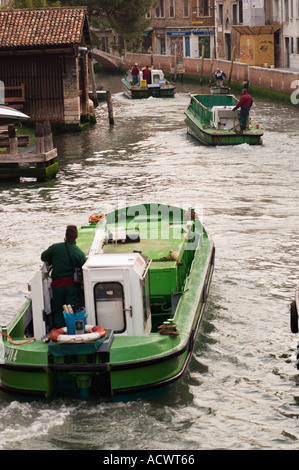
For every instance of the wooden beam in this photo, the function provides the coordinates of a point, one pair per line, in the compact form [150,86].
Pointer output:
[28,157]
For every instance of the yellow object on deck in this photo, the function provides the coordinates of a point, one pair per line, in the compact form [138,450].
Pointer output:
[143,83]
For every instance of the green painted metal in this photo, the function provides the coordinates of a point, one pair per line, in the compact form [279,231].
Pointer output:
[198,116]
[182,257]
[8,171]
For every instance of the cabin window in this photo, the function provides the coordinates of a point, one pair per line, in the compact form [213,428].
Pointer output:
[146,299]
[109,303]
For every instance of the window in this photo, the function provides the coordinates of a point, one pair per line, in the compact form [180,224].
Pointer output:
[204,42]
[235,21]
[286,10]
[241,12]
[186,12]
[202,8]
[171,9]
[109,303]
[160,9]
[220,14]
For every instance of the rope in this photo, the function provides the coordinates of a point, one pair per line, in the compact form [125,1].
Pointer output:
[168,329]
[16,344]
[96,217]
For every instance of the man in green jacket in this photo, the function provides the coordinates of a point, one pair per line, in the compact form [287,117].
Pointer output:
[64,289]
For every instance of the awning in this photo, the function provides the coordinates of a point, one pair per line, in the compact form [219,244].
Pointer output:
[147,31]
[257,30]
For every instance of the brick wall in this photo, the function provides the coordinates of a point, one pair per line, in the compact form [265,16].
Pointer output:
[275,79]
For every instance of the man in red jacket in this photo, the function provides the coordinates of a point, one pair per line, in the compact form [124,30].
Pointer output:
[135,73]
[147,74]
[245,104]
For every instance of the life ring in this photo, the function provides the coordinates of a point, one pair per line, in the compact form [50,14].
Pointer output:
[92,334]
[96,217]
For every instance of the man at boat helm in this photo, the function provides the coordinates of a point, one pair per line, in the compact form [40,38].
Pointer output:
[245,104]
[63,257]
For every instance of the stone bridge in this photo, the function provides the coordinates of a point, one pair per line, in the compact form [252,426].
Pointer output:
[107,60]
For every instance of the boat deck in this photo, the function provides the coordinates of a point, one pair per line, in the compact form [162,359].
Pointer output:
[171,241]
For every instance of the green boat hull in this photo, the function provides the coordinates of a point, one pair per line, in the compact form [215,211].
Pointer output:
[117,366]
[139,92]
[198,121]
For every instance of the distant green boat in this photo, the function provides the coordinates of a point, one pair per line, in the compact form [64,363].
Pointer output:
[212,121]
[146,282]
[158,87]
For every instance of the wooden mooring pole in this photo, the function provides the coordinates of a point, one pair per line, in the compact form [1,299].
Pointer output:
[231,66]
[110,107]
[13,140]
[48,138]
[39,138]
[202,63]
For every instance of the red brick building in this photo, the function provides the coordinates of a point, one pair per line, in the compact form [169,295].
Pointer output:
[188,24]
[46,51]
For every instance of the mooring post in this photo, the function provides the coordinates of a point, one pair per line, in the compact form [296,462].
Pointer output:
[13,140]
[110,108]
[48,140]
[39,138]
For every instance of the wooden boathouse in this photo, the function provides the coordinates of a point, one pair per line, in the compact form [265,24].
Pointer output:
[44,63]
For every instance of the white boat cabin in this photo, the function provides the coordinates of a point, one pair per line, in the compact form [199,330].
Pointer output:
[223,117]
[157,79]
[116,289]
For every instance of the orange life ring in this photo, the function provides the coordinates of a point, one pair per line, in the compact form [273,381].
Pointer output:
[92,333]
[55,333]
[100,330]
[96,217]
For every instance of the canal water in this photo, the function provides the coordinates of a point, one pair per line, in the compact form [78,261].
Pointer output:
[241,389]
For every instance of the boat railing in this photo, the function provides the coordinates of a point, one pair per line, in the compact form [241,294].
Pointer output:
[201,110]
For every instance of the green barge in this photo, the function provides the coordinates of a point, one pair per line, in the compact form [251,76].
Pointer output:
[212,121]
[158,87]
[146,282]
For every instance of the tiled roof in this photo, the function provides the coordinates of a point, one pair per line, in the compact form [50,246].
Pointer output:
[43,27]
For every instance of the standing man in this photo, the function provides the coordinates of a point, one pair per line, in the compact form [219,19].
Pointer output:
[219,76]
[245,104]
[147,74]
[135,73]
[64,289]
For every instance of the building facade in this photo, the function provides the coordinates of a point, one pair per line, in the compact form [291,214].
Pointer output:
[264,31]
[259,32]
[288,13]
[187,24]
